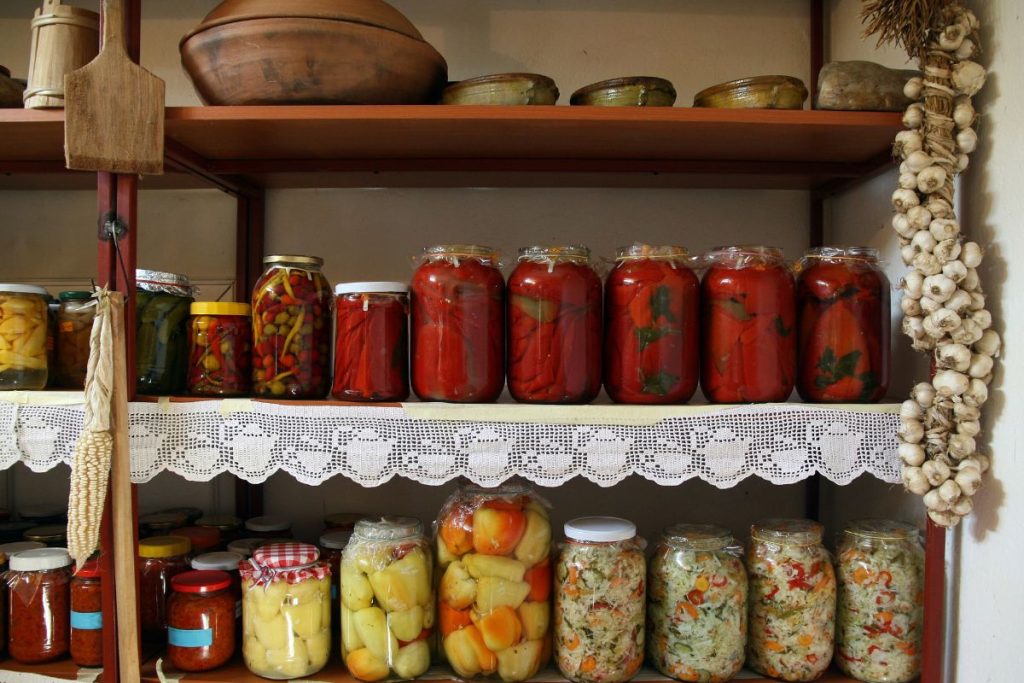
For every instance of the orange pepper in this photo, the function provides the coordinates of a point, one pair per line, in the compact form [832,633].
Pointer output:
[588,664]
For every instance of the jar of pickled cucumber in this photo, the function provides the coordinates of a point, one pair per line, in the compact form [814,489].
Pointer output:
[880,610]
[162,302]
[23,336]
[286,611]
[697,604]
[74,328]
[387,610]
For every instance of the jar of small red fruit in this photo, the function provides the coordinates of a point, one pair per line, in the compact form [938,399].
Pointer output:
[87,615]
[39,625]
[652,317]
[220,343]
[201,620]
[748,298]
[554,326]
[843,298]
[458,324]
[291,309]
[371,348]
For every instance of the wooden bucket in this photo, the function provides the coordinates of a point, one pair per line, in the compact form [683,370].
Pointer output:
[64,38]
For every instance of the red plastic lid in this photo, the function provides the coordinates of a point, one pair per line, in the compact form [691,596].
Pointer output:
[89,570]
[201,581]
[202,537]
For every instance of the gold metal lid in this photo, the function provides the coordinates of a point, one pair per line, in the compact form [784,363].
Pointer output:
[297,260]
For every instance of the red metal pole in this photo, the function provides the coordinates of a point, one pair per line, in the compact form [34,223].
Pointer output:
[933,638]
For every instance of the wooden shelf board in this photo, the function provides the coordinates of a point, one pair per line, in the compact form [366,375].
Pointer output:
[59,670]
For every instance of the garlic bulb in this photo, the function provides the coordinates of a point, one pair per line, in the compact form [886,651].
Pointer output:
[944,518]
[988,344]
[901,221]
[919,161]
[955,271]
[981,366]
[949,491]
[963,112]
[950,383]
[968,77]
[952,37]
[961,445]
[969,428]
[928,304]
[924,394]
[923,240]
[938,287]
[915,481]
[931,179]
[976,394]
[937,324]
[971,280]
[928,264]
[913,88]
[911,431]
[962,162]
[913,327]
[933,501]
[902,200]
[983,461]
[965,51]
[913,117]
[977,303]
[964,505]
[964,412]
[959,303]
[982,318]
[947,250]
[911,410]
[911,307]
[907,142]
[907,181]
[913,285]
[940,228]
[936,472]
[967,333]
[939,207]
[920,218]
[953,357]
[967,140]
[911,454]
[971,254]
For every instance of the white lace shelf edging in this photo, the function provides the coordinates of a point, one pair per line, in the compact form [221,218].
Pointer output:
[433,444]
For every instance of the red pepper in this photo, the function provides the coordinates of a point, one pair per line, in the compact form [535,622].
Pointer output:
[718,580]
[695,597]
[371,347]
[772,593]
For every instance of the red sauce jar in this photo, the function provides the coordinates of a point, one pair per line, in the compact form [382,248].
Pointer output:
[201,620]
[843,299]
[161,558]
[748,347]
[220,349]
[554,326]
[652,317]
[39,624]
[371,348]
[202,539]
[291,308]
[87,615]
[458,325]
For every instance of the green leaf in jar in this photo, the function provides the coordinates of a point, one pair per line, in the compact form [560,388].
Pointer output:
[541,310]
[734,308]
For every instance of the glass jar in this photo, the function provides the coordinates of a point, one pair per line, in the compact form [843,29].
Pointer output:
[245,546]
[228,526]
[387,610]
[227,562]
[332,543]
[161,558]
[371,347]
[200,620]
[87,615]
[191,514]
[345,521]
[652,317]
[268,526]
[697,604]
[202,539]
[39,625]
[161,523]
[286,611]
[74,327]
[554,326]
[748,344]
[291,308]
[52,535]
[880,609]
[600,596]
[493,552]
[458,324]
[162,302]
[24,326]
[52,309]
[843,298]
[220,349]
[792,600]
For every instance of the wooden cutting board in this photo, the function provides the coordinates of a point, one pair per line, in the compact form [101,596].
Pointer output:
[114,109]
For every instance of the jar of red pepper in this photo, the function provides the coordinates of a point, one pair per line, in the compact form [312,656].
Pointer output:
[219,343]
[291,308]
[201,620]
[161,558]
[748,348]
[652,316]
[554,321]
[458,324]
[87,615]
[843,299]
[39,626]
[371,348]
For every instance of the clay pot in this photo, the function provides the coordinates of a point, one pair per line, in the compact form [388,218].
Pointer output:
[311,52]
[10,90]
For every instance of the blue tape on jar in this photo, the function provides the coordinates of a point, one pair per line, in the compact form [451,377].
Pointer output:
[86,621]
[183,637]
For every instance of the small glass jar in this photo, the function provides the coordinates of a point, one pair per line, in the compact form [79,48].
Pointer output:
[286,612]
[697,604]
[482,531]
[87,615]
[291,307]
[792,600]
[748,330]
[24,328]
[160,523]
[371,342]
[458,324]
[268,526]
[331,545]
[161,558]
[843,300]
[162,302]
[554,326]
[224,561]
[245,546]
[600,594]
[880,609]
[228,526]
[220,349]
[51,535]
[74,328]
[652,317]
[202,539]
[342,521]
[200,620]
[39,626]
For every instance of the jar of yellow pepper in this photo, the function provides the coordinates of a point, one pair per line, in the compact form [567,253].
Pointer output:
[23,334]
[220,340]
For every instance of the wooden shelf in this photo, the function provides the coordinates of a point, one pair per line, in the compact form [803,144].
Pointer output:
[60,670]
[379,146]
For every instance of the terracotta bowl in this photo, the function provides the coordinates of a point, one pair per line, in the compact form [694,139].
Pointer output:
[249,52]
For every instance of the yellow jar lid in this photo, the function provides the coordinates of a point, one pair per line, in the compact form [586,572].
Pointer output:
[220,308]
[164,546]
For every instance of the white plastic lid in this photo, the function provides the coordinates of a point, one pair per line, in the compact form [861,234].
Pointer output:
[336,539]
[40,559]
[9,549]
[600,529]
[224,561]
[268,523]
[371,288]
[245,546]
[24,289]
